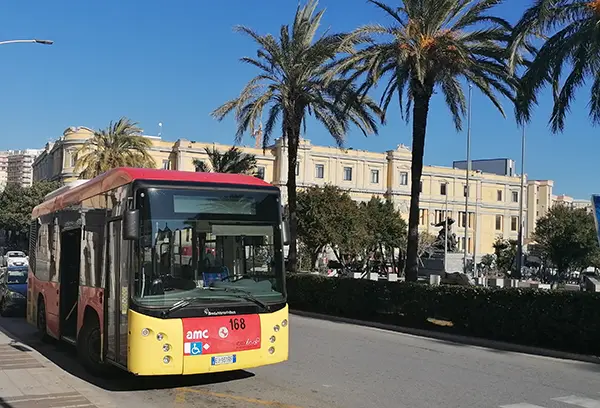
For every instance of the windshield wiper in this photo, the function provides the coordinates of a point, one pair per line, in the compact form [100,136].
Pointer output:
[242,294]
[178,305]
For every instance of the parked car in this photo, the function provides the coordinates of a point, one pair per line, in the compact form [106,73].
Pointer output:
[13,290]
[16,258]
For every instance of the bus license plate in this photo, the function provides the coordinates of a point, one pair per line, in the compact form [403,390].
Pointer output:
[218,360]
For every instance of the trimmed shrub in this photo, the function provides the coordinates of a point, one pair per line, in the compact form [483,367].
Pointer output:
[560,320]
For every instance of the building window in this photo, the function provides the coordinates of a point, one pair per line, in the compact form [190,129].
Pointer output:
[499,195]
[319,171]
[375,176]
[515,196]
[498,223]
[403,178]
[443,188]
[465,190]
[198,167]
[260,172]
[165,164]
[514,223]
[347,173]
[462,219]
[420,186]
[441,215]
[297,168]
[423,217]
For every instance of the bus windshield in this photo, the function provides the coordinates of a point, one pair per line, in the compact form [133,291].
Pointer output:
[194,241]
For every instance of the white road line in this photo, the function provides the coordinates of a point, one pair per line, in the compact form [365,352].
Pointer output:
[521,405]
[579,401]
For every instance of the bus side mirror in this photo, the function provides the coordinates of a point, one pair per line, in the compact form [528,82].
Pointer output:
[131,225]
[285,230]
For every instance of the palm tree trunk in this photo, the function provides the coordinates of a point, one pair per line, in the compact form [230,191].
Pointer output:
[293,140]
[420,111]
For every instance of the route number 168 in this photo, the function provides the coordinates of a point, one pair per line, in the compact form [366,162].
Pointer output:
[237,324]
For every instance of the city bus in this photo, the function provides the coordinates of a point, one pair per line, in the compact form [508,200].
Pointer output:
[161,272]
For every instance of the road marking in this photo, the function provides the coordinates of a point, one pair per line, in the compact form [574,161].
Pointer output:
[579,401]
[521,405]
[264,403]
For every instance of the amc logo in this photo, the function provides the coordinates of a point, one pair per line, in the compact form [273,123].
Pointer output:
[196,334]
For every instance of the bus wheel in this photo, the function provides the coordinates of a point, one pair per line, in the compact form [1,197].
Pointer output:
[41,321]
[88,348]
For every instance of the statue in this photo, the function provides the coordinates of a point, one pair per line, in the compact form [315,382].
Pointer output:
[445,232]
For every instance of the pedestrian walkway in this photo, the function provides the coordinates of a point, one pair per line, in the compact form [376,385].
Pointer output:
[567,401]
[28,380]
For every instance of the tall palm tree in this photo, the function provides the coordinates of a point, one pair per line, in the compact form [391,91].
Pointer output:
[294,82]
[573,27]
[430,46]
[120,144]
[232,161]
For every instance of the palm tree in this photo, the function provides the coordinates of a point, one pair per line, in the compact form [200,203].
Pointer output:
[119,145]
[293,83]
[574,29]
[431,45]
[232,161]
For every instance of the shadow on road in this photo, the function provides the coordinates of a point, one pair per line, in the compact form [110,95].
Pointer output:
[65,357]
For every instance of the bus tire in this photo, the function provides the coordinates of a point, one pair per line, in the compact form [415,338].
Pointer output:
[41,321]
[88,348]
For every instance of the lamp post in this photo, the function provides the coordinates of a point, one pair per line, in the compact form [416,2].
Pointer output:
[446,229]
[521,199]
[466,245]
[34,41]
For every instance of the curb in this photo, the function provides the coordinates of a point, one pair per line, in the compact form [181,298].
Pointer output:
[456,338]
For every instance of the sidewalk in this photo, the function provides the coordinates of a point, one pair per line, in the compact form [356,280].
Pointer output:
[30,380]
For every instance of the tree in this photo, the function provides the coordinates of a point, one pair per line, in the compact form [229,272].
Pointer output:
[294,82]
[505,251]
[567,237]
[432,45]
[121,144]
[232,161]
[16,204]
[572,42]
[386,229]
[317,209]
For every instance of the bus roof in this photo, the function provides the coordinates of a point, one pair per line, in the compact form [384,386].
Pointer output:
[120,176]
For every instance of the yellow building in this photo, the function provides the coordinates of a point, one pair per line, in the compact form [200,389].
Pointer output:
[494,199]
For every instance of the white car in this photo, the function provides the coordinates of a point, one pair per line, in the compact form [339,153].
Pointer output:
[16,258]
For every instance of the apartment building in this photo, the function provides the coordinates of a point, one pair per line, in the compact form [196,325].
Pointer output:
[3,169]
[494,197]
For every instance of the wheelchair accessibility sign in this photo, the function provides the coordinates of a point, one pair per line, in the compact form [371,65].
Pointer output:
[194,349]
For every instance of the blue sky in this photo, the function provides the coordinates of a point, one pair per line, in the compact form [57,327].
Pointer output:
[174,62]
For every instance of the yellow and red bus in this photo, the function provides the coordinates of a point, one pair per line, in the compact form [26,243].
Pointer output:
[162,272]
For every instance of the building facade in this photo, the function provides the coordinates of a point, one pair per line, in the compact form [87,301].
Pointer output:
[493,209]
[16,167]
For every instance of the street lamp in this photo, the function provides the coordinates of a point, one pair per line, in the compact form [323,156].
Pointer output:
[34,41]
[466,248]
[446,227]
[520,243]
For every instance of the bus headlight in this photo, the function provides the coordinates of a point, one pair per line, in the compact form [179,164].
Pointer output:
[284,323]
[276,328]
[145,332]
[166,347]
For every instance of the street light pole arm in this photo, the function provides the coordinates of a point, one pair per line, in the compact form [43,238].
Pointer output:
[35,41]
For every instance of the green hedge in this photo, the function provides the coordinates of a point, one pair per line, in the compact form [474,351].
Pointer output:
[560,320]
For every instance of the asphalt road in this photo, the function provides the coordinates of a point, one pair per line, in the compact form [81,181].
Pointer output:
[346,366]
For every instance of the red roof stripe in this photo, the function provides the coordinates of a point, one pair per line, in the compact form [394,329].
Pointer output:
[120,176]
